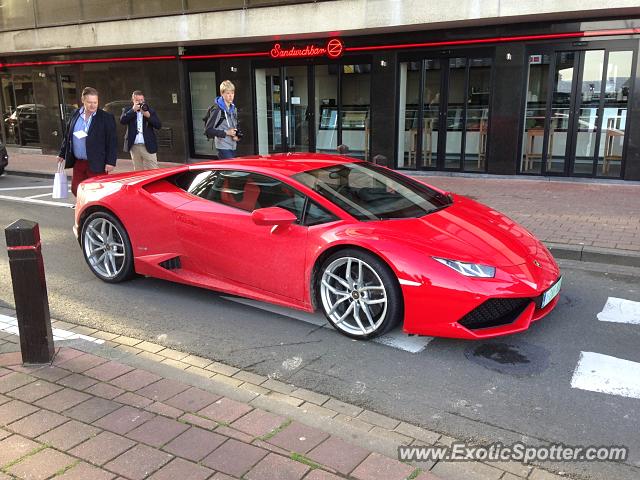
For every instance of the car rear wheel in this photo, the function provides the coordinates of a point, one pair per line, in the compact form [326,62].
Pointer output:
[106,248]
[359,293]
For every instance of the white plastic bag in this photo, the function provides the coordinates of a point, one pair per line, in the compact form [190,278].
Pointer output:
[60,186]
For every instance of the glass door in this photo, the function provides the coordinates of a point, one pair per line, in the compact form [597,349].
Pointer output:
[68,95]
[576,112]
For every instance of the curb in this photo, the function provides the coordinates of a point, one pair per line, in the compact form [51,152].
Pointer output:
[370,430]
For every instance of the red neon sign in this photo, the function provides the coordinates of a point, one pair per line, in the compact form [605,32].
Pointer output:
[333,49]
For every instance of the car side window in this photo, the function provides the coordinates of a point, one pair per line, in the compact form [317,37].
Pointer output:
[316,215]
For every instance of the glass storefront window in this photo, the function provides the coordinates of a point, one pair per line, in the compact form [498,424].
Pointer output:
[535,114]
[614,117]
[356,99]
[21,115]
[477,116]
[408,114]
[326,109]
[560,112]
[268,111]
[203,88]
[455,112]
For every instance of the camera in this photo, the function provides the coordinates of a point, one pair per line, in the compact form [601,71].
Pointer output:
[239,133]
[144,107]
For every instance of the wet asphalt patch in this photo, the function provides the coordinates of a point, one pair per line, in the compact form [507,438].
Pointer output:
[509,357]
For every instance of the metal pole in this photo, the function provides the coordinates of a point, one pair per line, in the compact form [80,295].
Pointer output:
[30,291]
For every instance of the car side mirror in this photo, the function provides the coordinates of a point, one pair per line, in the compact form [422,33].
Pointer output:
[272,216]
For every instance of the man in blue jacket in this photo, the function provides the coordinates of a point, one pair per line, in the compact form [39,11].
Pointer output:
[90,143]
[140,139]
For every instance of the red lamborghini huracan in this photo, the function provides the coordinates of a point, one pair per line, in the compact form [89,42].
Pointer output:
[366,245]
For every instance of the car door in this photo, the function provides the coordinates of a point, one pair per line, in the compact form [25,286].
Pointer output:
[220,239]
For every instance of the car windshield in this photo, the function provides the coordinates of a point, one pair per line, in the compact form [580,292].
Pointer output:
[369,192]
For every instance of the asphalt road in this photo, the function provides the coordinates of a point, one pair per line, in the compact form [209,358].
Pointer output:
[454,387]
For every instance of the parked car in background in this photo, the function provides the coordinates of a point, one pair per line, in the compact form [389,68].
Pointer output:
[22,124]
[4,158]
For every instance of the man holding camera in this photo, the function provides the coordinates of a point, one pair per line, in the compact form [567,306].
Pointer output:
[222,122]
[140,138]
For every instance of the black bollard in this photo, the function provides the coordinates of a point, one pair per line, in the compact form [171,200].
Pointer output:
[30,291]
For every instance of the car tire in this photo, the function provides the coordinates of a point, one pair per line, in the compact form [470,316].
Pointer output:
[107,248]
[359,294]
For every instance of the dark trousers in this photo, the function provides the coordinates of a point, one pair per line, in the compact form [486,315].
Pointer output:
[224,154]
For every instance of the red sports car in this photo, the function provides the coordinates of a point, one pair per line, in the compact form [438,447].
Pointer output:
[368,246]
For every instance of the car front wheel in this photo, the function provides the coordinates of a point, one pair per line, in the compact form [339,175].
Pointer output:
[107,248]
[359,293]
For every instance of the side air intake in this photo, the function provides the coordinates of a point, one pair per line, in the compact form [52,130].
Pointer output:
[171,264]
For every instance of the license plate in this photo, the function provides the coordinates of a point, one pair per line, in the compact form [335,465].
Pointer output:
[551,293]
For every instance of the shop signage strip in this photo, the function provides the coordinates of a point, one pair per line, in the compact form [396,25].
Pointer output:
[88,60]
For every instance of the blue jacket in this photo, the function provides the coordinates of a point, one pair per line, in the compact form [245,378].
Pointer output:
[102,144]
[128,118]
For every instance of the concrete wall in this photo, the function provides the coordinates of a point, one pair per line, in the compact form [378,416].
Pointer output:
[343,16]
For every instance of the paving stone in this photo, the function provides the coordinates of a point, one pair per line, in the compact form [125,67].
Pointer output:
[4,399]
[10,358]
[276,467]
[250,377]
[376,466]
[135,380]
[51,373]
[62,400]
[317,410]
[164,410]
[194,444]
[223,369]
[298,437]
[14,380]
[250,387]
[281,397]
[162,389]
[341,407]
[104,390]
[234,458]
[108,371]
[192,400]
[538,474]
[338,454]
[42,465]
[379,420]
[354,422]
[4,434]
[102,448]
[35,391]
[135,400]
[233,433]
[14,410]
[197,361]
[515,468]
[174,354]
[104,335]
[466,470]
[81,363]
[15,447]
[175,363]
[272,448]
[84,471]
[199,421]
[183,470]
[157,431]
[4,371]
[124,420]
[127,349]
[424,436]
[92,409]
[150,356]
[309,396]
[68,435]
[77,381]
[278,386]
[223,379]
[127,340]
[225,410]
[82,330]
[37,423]
[395,436]
[258,422]
[139,462]
[321,475]
[149,347]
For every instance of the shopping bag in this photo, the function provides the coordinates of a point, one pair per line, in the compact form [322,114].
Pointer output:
[60,186]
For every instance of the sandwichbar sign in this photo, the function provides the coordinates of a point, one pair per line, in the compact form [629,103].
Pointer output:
[333,49]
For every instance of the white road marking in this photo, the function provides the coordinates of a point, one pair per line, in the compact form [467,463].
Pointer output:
[40,195]
[620,310]
[601,373]
[8,189]
[37,202]
[395,339]
[10,325]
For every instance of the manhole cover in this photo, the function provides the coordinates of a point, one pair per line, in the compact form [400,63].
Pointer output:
[513,358]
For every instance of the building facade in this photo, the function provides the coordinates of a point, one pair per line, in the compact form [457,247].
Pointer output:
[519,87]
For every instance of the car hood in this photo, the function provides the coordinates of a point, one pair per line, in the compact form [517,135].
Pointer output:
[470,232]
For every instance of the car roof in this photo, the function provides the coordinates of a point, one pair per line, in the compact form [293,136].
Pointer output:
[286,164]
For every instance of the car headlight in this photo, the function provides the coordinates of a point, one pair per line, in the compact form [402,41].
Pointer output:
[468,269]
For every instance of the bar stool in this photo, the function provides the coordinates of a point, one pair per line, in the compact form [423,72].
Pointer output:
[426,144]
[530,154]
[482,143]
[612,134]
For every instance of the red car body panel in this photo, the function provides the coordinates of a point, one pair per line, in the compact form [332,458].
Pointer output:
[222,248]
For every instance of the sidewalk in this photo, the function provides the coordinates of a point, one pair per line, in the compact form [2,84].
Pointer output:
[578,220]
[112,406]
